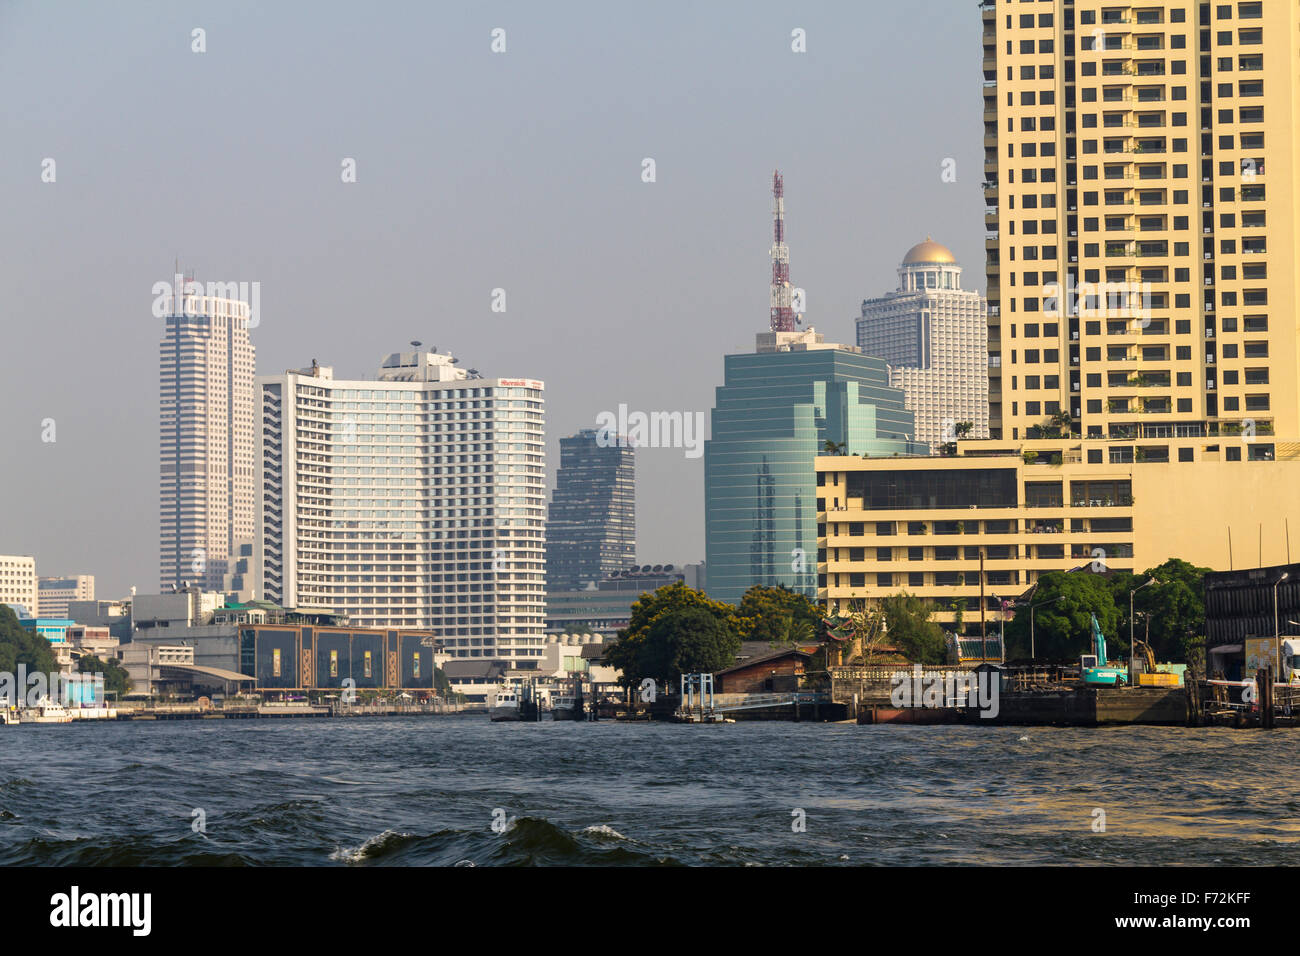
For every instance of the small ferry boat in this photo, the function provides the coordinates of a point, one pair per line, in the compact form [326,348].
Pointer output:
[566,708]
[46,711]
[503,704]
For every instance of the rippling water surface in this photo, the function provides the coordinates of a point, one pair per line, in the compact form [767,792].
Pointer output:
[427,791]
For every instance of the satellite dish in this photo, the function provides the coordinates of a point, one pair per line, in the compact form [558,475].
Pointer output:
[417,344]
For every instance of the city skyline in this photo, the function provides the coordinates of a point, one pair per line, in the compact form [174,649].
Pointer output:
[340,265]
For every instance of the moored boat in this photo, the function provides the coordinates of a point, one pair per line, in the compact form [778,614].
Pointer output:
[504,704]
[565,708]
[46,711]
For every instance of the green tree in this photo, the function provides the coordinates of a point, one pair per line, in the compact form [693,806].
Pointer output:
[116,681]
[690,640]
[634,640]
[910,628]
[1173,607]
[1063,628]
[778,616]
[21,646]
[441,683]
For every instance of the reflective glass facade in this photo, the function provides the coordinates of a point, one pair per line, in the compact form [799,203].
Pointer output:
[772,416]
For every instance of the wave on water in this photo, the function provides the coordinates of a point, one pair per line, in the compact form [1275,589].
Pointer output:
[605,831]
[525,841]
[377,846]
[83,851]
[419,794]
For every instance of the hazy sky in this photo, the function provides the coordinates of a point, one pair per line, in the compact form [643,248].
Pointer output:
[476,170]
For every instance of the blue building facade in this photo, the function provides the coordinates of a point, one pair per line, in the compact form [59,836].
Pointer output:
[771,418]
[283,657]
[53,629]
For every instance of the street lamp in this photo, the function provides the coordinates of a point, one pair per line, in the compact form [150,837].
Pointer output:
[1277,632]
[1033,653]
[1002,629]
[1131,648]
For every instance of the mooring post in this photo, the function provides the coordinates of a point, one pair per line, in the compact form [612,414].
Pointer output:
[1266,699]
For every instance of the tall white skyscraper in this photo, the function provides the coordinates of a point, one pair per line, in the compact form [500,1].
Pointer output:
[934,335]
[207,463]
[414,500]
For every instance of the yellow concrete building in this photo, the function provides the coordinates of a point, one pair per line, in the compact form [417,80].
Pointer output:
[1140,190]
[1144,332]
[919,525]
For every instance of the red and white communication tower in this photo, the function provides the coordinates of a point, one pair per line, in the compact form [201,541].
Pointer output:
[783,316]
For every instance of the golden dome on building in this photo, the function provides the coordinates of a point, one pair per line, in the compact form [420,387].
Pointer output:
[929,253]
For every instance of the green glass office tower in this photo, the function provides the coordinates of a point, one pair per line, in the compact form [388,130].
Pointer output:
[774,414]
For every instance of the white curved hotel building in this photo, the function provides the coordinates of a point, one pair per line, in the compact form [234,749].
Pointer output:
[414,500]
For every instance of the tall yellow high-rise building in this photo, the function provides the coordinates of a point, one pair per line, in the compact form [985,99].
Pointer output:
[1144,335]
[1140,166]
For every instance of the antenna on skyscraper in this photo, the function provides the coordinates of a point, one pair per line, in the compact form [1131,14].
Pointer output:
[783,318]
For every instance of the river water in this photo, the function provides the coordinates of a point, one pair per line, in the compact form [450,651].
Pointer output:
[462,790]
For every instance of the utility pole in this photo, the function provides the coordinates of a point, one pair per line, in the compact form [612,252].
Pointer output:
[984,642]
[1277,631]
[1132,648]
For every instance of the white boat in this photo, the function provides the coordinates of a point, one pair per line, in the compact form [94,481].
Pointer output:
[504,704]
[46,711]
[565,708]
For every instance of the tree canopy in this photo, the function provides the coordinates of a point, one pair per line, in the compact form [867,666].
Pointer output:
[642,651]
[691,640]
[1062,623]
[21,646]
[1173,607]
[910,627]
[115,677]
[1172,610]
[677,630]
[779,616]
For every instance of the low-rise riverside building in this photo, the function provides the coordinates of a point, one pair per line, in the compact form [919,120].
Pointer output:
[93,641]
[1251,616]
[778,671]
[1001,514]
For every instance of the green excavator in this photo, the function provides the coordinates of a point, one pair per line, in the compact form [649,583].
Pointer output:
[1098,671]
